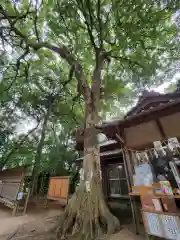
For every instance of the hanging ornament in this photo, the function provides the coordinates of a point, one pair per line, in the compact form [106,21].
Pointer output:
[174,145]
[88,186]
[81,173]
[159,148]
[146,157]
[155,153]
[138,158]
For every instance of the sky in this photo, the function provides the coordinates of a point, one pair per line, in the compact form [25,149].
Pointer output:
[161,88]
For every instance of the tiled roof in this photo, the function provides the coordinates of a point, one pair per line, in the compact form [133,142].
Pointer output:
[149,100]
[142,113]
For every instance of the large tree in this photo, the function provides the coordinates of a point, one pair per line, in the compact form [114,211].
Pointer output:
[104,44]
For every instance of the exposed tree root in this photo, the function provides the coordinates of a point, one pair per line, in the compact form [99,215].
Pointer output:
[87,216]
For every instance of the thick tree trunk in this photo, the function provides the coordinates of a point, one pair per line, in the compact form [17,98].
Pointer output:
[36,168]
[87,215]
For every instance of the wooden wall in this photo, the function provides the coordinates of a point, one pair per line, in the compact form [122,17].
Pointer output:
[146,133]
[10,182]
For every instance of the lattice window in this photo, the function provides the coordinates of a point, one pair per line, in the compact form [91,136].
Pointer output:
[117,180]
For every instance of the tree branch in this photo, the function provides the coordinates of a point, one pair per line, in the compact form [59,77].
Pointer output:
[18,63]
[15,17]
[100,24]
[88,23]
[96,80]
[35,22]
[132,62]
[61,50]
[17,145]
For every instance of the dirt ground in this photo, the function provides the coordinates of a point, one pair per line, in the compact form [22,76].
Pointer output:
[38,222]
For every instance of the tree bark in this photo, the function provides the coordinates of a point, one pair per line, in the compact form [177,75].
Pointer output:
[36,168]
[87,215]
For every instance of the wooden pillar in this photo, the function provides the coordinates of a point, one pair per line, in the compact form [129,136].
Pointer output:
[129,176]
[160,128]
[104,179]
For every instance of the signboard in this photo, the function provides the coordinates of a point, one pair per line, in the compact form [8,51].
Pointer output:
[58,188]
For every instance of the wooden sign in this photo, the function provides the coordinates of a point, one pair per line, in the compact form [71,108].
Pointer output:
[58,188]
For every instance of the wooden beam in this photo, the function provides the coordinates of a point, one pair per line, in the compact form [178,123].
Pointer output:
[160,128]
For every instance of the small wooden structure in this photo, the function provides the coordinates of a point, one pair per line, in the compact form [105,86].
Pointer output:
[58,188]
[11,189]
[156,117]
